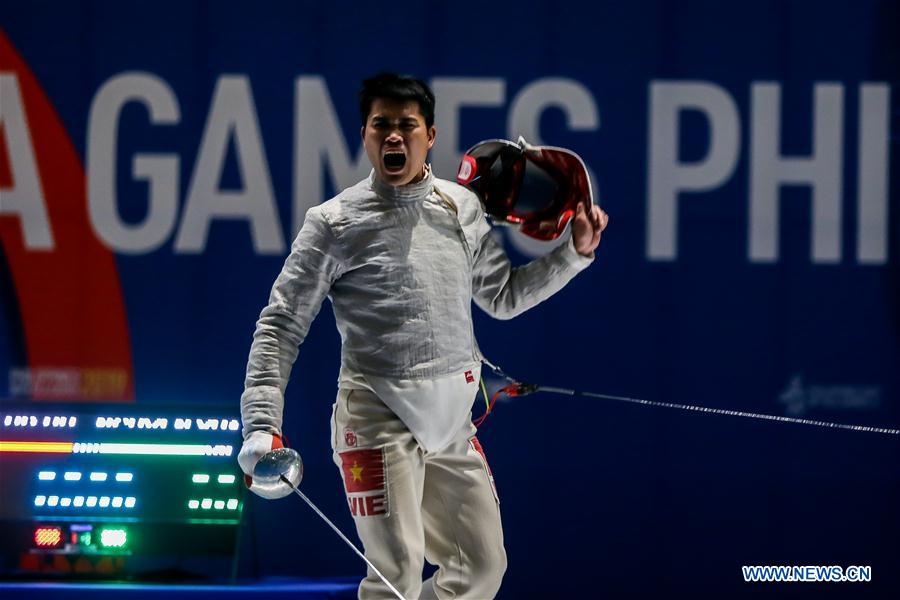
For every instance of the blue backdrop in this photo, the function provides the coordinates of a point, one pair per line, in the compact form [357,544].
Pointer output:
[746,153]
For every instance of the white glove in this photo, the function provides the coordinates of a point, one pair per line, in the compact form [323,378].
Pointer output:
[257,445]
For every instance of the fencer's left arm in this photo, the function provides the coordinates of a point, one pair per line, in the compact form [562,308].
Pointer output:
[504,291]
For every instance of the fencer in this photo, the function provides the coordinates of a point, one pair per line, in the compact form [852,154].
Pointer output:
[401,255]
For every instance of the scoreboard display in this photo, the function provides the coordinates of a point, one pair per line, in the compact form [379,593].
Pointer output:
[114,489]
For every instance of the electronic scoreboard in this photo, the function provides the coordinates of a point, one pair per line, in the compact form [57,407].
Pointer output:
[116,489]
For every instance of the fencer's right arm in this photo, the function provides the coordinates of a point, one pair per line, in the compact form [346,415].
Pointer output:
[314,263]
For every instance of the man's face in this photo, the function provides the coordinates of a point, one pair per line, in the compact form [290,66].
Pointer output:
[397,141]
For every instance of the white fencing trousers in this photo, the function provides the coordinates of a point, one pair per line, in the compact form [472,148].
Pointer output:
[410,505]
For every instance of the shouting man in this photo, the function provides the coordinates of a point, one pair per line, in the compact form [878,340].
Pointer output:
[402,255]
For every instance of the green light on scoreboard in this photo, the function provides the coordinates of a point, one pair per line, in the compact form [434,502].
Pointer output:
[113,537]
[223,479]
[213,504]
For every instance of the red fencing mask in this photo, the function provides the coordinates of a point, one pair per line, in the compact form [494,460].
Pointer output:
[536,188]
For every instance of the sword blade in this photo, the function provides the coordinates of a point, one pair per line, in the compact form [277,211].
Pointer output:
[342,536]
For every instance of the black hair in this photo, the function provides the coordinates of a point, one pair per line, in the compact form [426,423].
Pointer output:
[401,88]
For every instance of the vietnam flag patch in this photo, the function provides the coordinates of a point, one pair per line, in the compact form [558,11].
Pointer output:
[364,480]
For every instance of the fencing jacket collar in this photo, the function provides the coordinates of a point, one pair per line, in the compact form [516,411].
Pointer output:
[404,193]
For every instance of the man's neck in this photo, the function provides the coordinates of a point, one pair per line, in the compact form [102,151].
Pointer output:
[422,174]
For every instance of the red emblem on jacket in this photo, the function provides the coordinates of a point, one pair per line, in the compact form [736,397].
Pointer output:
[349,437]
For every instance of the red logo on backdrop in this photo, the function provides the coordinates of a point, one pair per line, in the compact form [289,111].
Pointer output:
[349,437]
[364,480]
[71,308]
[469,377]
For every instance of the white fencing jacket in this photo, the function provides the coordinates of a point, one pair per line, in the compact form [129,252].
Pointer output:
[401,266]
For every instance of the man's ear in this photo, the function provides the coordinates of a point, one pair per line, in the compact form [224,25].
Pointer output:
[432,134]
[362,132]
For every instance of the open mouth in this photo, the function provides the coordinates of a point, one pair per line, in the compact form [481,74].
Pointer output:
[394,161]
